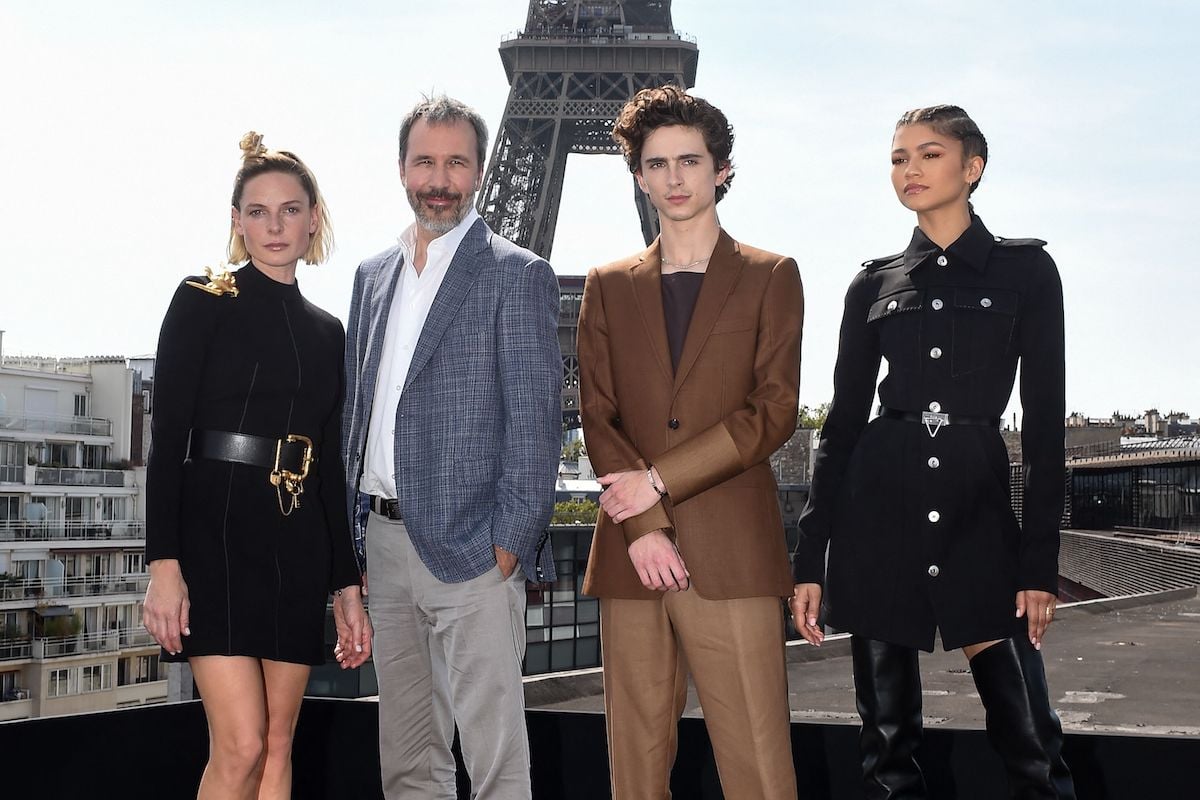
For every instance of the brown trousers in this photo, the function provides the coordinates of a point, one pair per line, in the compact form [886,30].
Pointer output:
[734,650]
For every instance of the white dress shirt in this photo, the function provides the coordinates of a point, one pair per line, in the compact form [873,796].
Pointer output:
[410,306]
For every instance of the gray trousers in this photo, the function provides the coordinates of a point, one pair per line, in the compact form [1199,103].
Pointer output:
[446,653]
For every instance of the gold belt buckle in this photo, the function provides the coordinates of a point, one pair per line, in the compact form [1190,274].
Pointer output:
[286,480]
[933,422]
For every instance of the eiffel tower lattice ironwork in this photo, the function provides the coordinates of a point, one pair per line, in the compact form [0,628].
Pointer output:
[570,71]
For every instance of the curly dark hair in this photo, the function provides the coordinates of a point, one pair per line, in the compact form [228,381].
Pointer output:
[951,121]
[659,107]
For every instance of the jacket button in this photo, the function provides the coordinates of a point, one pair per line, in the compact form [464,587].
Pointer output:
[942,261]
[673,424]
[616,422]
[934,462]
[935,406]
[934,570]
[892,305]
[986,302]
[937,304]
[934,516]
[936,352]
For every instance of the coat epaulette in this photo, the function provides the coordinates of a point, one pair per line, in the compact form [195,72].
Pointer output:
[886,261]
[1000,240]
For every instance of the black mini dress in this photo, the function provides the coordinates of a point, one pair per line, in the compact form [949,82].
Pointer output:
[267,363]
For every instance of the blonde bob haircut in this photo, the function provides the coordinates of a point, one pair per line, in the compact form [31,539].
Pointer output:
[258,160]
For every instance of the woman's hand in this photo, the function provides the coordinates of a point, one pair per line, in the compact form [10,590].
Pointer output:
[1038,607]
[353,626]
[805,605]
[166,612]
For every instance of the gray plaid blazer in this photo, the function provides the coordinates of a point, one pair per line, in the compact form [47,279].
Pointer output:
[478,426]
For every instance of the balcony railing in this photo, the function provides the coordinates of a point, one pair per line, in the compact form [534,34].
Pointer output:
[77,426]
[87,643]
[71,476]
[11,649]
[59,530]
[75,586]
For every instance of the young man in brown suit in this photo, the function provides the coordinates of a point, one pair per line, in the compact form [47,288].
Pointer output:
[690,358]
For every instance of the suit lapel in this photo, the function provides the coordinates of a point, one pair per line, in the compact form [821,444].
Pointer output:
[460,276]
[379,304]
[723,271]
[647,289]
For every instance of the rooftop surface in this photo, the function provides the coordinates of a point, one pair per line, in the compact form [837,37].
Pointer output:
[1118,665]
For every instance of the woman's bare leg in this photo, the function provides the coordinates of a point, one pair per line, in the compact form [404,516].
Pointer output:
[285,690]
[235,703]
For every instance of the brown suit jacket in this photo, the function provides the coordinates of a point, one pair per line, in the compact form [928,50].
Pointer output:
[709,427]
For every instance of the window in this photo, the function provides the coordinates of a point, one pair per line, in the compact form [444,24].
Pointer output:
[115,508]
[10,625]
[61,455]
[61,683]
[94,456]
[95,678]
[138,669]
[8,685]
[81,405]
[12,462]
[10,507]
[132,563]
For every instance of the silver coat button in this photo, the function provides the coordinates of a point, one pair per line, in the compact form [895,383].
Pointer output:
[935,406]
[934,516]
[934,462]
[998,239]
[867,263]
[892,305]
[942,261]
[936,352]
[937,304]
[986,302]
[933,570]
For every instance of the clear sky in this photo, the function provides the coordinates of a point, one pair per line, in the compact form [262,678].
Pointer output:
[119,125]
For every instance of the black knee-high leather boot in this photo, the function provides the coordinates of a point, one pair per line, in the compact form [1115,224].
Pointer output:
[887,686]
[1021,724]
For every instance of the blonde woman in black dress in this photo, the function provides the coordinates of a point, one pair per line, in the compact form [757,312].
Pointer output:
[246,523]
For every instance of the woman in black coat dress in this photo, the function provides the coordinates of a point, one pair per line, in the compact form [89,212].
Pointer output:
[914,506]
[246,522]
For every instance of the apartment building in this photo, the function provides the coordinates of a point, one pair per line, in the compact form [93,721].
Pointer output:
[72,539]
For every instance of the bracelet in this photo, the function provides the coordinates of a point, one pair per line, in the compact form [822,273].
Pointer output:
[653,483]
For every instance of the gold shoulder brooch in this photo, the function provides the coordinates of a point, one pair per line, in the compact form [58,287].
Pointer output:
[218,284]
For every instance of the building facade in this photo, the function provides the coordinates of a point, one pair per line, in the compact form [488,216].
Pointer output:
[72,539]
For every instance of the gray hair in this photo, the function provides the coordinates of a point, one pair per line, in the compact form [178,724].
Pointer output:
[439,110]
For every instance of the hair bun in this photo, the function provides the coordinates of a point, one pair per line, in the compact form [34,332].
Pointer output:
[252,146]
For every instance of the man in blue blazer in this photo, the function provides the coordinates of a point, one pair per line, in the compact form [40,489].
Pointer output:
[451,436]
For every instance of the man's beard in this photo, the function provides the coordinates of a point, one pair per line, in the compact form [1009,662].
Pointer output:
[446,220]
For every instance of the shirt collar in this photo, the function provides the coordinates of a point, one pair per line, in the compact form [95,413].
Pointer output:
[446,244]
[971,248]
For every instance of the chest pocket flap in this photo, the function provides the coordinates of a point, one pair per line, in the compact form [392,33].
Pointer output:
[997,301]
[896,303]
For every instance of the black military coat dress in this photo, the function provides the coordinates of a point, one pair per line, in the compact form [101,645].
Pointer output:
[268,363]
[920,531]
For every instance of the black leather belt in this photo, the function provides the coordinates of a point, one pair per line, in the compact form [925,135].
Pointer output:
[281,455]
[935,420]
[386,507]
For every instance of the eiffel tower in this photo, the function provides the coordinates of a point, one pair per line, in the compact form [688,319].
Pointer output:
[570,71]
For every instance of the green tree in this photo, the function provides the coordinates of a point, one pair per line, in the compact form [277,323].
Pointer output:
[574,512]
[573,450]
[810,417]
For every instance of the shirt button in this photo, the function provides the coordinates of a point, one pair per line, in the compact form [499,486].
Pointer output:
[934,516]
[934,462]
[673,424]
[942,261]
[399,388]
[935,406]
[937,304]
[986,302]
[893,305]
[933,570]
[936,352]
